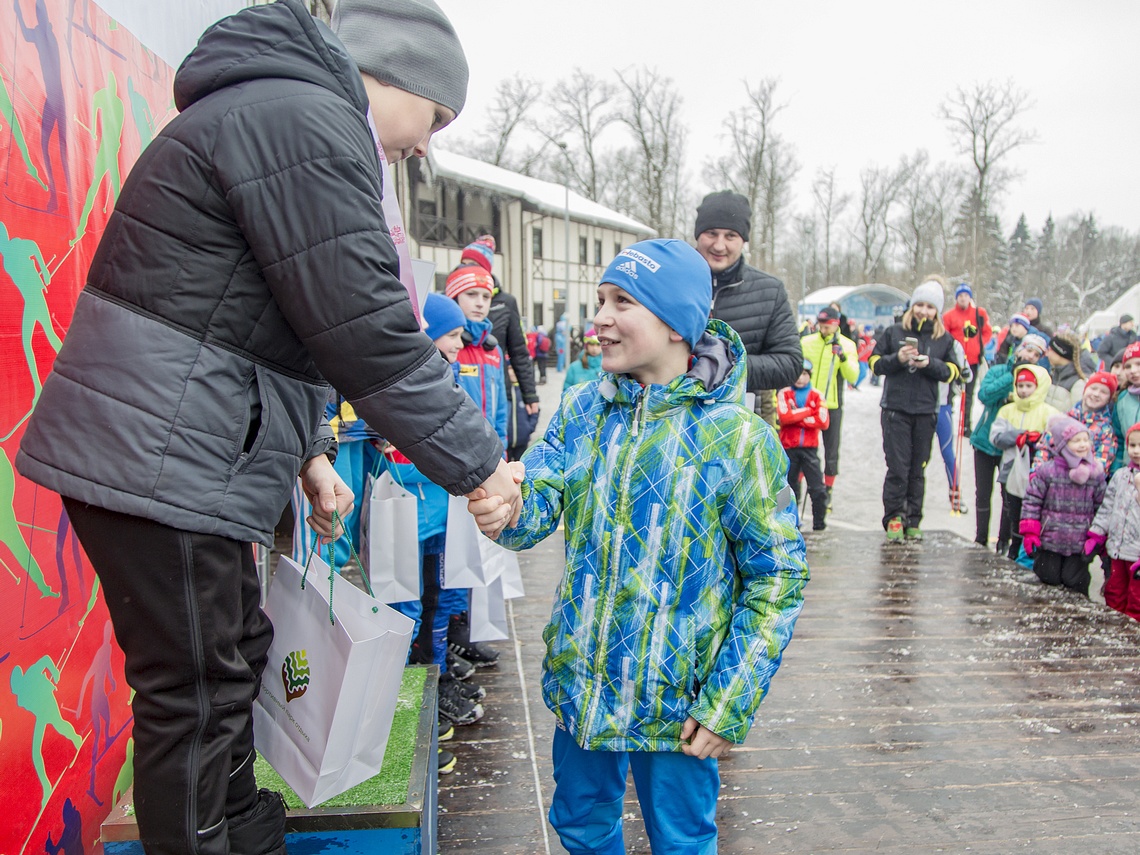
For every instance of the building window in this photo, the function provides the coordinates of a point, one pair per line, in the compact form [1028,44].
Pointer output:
[582,257]
[617,249]
[536,242]
[598,253]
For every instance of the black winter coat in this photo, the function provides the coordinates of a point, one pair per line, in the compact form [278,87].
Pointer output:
[1115,340]
[756,306]
[245,267]
[506,326]
[914,392]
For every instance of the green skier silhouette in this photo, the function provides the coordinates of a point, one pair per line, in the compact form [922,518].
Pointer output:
[8,113]
[10,534]
[35,692]
[107,114]
[25,264]
[140,112]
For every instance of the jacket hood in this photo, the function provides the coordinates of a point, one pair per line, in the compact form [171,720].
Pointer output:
[717,373]
[1038,396]
[279,40]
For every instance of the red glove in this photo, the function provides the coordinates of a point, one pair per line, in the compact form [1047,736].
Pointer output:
[837,349]
[1031,535]
[1093,542]
[1028,437]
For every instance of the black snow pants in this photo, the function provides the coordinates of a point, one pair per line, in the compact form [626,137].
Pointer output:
[907,440]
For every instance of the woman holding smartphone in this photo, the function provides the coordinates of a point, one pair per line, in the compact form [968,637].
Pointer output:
[913,356]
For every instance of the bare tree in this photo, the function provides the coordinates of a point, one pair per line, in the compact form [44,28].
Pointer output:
[914,224]
[780,167]
[829,203]
[651,169]
[983,126]
[879,189]
[515,100]
[946,190]
[982,122]
[583,107]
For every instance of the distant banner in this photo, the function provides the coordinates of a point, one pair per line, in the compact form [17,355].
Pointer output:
[80,98]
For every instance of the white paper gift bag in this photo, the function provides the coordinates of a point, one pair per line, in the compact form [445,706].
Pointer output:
[487,612]
[329,689]
[390,540]
[462,549]
[502,564]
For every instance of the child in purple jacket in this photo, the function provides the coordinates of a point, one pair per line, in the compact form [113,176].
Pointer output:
[1060,502]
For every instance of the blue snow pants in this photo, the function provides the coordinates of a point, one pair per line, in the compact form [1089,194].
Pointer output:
[677,794]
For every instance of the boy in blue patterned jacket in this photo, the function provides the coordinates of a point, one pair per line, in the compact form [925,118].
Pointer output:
[685,567]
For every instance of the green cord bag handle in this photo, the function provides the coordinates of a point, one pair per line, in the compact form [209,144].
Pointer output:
[336,520]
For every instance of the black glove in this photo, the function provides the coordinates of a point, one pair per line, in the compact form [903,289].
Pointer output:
[969,330]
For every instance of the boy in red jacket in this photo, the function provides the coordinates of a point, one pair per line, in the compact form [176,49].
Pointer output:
[802,416]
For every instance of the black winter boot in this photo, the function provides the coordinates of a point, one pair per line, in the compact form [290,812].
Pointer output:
[261,829]
[459,642]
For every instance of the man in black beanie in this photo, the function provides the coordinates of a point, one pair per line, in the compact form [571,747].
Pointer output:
[752,302]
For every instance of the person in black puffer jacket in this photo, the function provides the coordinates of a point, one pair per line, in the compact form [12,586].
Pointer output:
[506,322]
[750,301]
[246,266]
[912,372]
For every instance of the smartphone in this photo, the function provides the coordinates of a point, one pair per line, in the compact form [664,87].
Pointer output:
[911,341]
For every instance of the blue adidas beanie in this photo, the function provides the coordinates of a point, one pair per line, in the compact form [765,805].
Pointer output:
[441,315]
[669,278]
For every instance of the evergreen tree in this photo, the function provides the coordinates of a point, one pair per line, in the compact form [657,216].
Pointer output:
[980,251]
[1045,263]
[1021,261]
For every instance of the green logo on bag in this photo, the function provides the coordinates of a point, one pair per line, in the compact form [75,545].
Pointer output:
[295,675]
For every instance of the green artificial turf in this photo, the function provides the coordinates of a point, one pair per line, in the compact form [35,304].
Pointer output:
[390,787]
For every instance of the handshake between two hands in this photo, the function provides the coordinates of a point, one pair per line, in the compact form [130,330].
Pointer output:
[497,502]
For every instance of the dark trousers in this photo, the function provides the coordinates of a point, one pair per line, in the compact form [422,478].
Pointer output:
[907,440]
[1009,529]
[970,400]
[985,471]
[540,366]
[186,612]
[1072,571]
[830,440]
[806,461]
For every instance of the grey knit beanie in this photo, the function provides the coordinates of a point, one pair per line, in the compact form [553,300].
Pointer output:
[407,43]
[930,292]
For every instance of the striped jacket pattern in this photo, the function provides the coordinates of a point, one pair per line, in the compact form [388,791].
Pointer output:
[685,568]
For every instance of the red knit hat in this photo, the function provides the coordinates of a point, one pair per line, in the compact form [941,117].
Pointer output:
[467,277]
[1131,352]
[1129,432]
[1104,378]
[1025,375]
[482,252]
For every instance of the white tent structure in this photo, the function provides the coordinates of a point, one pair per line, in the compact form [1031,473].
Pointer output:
[1127,303]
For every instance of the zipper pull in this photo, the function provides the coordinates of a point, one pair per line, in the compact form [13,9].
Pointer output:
[637,414]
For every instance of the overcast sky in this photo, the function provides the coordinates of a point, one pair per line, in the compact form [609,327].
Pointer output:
[862,79]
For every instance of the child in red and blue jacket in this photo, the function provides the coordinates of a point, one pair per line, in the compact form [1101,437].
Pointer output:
[802,416]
